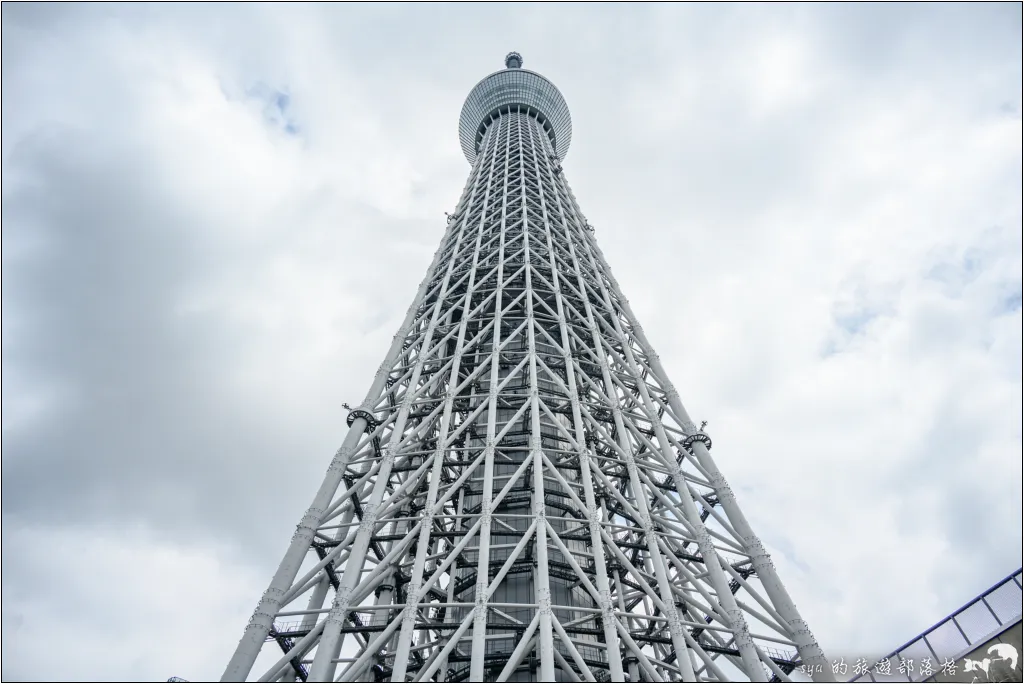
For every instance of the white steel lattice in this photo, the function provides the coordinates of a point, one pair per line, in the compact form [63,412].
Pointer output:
[522,496]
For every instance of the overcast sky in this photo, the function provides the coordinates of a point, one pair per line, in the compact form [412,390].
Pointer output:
[215,218]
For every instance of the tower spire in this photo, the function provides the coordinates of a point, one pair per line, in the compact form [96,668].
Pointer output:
[521,495]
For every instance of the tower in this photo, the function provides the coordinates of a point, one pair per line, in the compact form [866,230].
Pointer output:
[522,496]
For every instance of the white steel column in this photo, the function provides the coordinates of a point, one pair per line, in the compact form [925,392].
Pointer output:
[594,516]
[479,645]
[541,583]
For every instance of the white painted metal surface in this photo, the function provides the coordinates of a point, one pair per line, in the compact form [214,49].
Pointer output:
[521,495]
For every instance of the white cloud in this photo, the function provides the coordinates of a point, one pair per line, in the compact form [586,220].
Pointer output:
[815,213]
[119,603]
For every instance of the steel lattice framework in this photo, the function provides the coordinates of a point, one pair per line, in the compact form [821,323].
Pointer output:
[522,496]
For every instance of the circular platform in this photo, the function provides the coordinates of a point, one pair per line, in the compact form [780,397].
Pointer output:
[507,89]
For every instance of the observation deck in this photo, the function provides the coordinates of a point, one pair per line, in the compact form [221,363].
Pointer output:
[508,89]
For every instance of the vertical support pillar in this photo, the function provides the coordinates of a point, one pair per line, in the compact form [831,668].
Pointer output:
[542,586]
[479,643]
[594,515]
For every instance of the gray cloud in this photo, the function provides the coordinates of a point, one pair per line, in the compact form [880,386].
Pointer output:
[215,218]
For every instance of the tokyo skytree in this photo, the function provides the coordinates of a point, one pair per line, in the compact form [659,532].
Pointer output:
[521,496]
